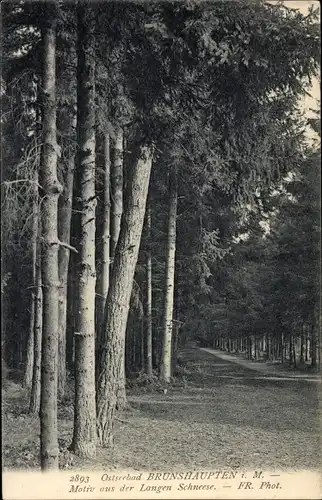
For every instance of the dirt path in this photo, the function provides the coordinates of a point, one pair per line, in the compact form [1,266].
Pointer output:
[227,416]
[224,416]
[266,369]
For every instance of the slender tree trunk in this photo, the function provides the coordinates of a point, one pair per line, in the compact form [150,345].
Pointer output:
[307,345]
[256,347]
[165,368]
[52,190]
[313,347]
[72,309]
[282,348]
[294,352]
[103,282]
[268,348]
[84,437]
[148,296]
[119,294]
[291,350]
[36,376]
[175,345]
[65,216]
[117,190]
[27,381]
[116,215]
[302,346]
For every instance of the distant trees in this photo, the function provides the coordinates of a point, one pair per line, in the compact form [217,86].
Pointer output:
[269,287]
[179,115]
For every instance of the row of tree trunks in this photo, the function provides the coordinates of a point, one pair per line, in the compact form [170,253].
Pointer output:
[296,350]
[46,366]
[121,236]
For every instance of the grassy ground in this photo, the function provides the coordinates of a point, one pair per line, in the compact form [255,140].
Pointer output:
[222,416]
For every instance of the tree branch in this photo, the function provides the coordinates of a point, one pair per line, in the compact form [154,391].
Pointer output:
[66,245]
[8,183]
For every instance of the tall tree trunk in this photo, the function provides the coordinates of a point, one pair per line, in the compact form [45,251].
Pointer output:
[116,215]
[84,437]
[249,347]
[27,381]
[175,345]
[117,190]
[307,344]
[302,346]
[103,281]
[36,376]
[148,296]
[119,294]
[64,225]
[291,350]
[72,302]
[52,190]
[294,351]
[313,346]
[268,348]
[165,368]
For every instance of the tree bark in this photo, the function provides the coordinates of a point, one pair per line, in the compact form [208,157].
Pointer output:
[119,294]
[165,368]
[148,296]
[84,437]
[29,364]
[52,190]
[64,225]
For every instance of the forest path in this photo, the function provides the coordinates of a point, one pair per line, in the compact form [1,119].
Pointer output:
[224,416]
[274,371]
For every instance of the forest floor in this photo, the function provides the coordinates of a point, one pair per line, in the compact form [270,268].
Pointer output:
[223,415]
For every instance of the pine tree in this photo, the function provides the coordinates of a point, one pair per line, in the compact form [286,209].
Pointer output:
[52,189]
[84,437]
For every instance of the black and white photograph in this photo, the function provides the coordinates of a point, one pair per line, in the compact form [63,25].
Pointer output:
[160,263]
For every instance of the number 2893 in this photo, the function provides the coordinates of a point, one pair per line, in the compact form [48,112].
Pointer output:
[79,479]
